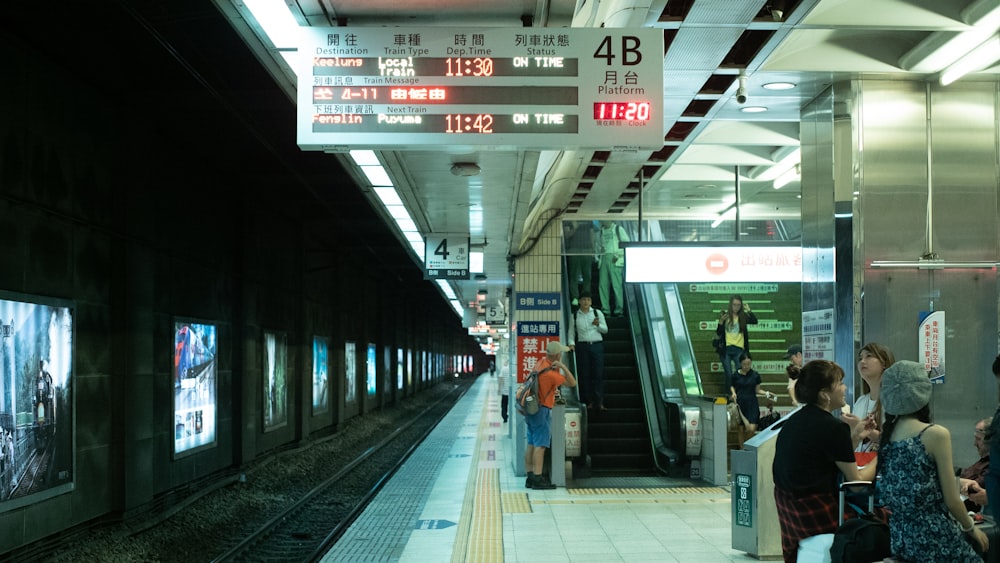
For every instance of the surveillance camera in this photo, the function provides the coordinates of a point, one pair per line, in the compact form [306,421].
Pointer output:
[777,15]
[741,91]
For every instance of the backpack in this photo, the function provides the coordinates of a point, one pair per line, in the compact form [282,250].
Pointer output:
[526,397]
[865,538]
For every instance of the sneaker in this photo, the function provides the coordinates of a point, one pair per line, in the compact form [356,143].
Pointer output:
[542,483]
[530,481]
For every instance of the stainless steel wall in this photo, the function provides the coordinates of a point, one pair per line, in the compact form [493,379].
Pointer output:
[926,182]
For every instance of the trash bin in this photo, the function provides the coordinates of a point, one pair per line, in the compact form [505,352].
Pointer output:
[755,527]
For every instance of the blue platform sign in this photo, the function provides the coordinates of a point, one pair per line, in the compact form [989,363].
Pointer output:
[538,301]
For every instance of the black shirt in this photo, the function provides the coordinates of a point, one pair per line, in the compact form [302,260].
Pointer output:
[808,447]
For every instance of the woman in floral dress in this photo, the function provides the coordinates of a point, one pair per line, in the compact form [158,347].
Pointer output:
[917,481]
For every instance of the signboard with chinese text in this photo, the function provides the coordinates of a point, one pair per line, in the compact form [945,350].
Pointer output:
[395,87]
[817,335]
[677,264]
[532,338]
[932,344]
[538,301]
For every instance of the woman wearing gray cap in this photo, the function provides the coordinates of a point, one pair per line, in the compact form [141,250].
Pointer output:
[917,479]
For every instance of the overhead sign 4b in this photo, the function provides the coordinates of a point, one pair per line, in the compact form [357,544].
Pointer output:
[446,257]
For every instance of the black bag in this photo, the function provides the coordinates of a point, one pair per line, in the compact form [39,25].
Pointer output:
[719,344]
[768,419]
[864,538]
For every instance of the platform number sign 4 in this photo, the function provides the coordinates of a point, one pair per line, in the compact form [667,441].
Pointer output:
[446,256]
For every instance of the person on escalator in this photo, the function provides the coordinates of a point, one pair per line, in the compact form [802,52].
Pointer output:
[586,340]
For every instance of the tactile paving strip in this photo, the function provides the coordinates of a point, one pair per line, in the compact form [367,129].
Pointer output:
[648,491]
[515,503]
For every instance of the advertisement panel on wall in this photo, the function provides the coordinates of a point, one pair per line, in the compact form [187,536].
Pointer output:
[350,372]
[36,399]
[932,344]
[321,367]
[195,385]
[371,376]
[275,364]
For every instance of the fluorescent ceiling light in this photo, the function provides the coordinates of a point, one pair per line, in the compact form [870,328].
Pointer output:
[753,109]
[418,248]
[983,56]
[943,48]
[398,212]
[388,196]
[784,159]
[778,86]
[365,158]
[786,177]
[476,262]
[413,236]
[724,215]
[377,175]
[445,286]
[406,225]
[276,21]
[457,306]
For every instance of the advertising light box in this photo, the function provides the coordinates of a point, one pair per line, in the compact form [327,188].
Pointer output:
[195,385]
[321,367]
[275,390]
[392,87]
[36,400]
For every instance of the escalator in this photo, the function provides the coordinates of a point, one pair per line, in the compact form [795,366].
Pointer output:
[618,439]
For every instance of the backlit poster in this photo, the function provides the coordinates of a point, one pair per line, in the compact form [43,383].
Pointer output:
[351,372]
[320,393]
[371,377]
[195,380]
[275,390]
[400,368]
[36,400]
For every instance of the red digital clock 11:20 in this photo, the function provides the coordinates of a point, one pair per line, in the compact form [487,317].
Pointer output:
[622,111]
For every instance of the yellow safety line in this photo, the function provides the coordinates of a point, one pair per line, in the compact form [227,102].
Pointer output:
[648,491]
[480,528]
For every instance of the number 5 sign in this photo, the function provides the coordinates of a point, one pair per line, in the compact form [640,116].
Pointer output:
[446,257]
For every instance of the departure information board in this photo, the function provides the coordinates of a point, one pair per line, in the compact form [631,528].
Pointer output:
[522,88]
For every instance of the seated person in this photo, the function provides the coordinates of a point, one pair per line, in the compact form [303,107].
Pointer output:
[973,477]
[813,451]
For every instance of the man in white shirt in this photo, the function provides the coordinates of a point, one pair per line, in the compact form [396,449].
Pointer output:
[586,339]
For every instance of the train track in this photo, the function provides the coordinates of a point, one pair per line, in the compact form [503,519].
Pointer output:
[306,529]
[285,506]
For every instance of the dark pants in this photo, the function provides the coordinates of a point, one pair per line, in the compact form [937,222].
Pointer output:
[579,266]
[731,364]
[504,404]
[590,372]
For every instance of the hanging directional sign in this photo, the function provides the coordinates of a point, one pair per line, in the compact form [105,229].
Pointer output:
[393,87]
[446,256]
[495,315]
